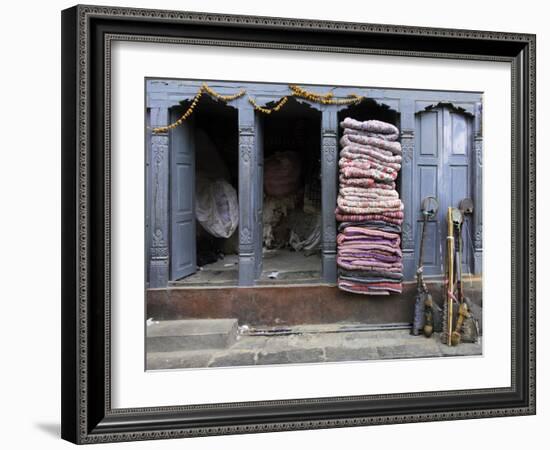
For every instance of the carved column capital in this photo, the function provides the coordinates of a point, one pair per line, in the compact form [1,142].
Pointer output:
[246,149]
[407,145]
[330,148]
[407,181]
[478,149]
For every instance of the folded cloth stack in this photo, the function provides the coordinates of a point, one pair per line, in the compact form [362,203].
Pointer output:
[369,209]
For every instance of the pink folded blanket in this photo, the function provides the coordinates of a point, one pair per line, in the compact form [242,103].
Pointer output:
[366,206]
[369,163]
[362,202]
[360,191]
[351,152]
[388,214]
[354,172]
[351,263]
[361,211]
[384,130]
[371,288]
[365,182]
[352,233]
[393,217]
[356,138]
[358,247]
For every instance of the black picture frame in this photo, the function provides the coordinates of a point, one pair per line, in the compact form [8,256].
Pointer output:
[87,415]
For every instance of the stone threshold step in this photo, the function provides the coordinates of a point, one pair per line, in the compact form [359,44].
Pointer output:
[197,334]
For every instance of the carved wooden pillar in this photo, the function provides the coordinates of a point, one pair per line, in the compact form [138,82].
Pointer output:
[407,187]
[159,257]
[247,174]
[329,176]
[477,189]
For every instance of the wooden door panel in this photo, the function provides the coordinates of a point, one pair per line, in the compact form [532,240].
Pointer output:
[183,251]
[443,165]
[428,168]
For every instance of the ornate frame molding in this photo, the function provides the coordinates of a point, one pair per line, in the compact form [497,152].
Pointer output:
[87,416]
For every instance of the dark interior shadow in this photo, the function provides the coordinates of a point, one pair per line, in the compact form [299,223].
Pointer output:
[53,429]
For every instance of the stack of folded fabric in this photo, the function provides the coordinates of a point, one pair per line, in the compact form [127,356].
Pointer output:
[369,209]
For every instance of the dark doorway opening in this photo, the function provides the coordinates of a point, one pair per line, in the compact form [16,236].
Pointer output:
[292,195]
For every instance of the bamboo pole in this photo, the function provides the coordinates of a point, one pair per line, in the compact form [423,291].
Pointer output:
[450,258]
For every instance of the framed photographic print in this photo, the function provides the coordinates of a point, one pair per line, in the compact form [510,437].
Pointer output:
[278,224]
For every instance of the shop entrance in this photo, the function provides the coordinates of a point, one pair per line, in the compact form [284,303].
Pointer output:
[291,241]
[204,196]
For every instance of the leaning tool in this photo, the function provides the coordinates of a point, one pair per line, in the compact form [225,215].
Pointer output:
[463,314]
[458,220]
[467,326]
[423,299]
[450,277]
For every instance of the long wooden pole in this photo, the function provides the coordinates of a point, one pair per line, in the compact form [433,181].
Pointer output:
[450,258]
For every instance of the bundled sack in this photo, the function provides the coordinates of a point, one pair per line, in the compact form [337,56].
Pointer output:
[282,173]
[217,207]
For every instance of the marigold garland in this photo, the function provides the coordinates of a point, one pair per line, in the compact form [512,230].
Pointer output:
[204,88]
[325,99]
[297,91]
[224,98]
[276,108]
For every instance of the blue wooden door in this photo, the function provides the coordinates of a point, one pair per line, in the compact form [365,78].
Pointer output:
[183,253]
[443,156]
[457,130]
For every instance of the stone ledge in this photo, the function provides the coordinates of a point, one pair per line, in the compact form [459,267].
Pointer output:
[312,348]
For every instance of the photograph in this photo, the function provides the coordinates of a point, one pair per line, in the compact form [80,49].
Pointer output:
[298,224]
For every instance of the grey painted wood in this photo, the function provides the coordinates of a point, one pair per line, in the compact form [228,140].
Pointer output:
[458,173]
[159,215]
[148,199]
[429,181]
[183,242]
[258,193]
[478,189]
[329,189]
[406,186]
[443,158]
[161,92]
[247,182]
